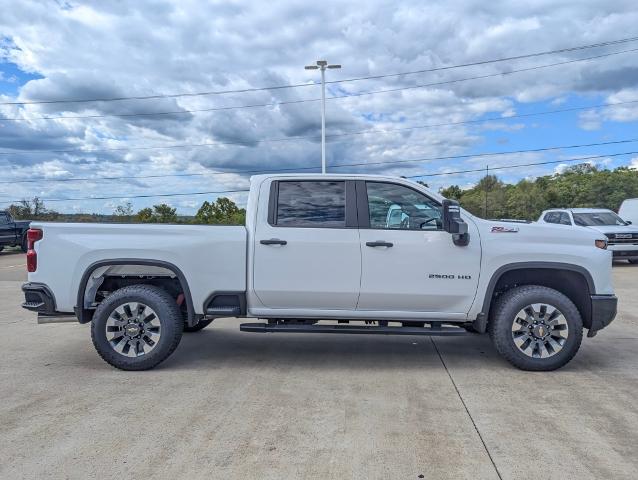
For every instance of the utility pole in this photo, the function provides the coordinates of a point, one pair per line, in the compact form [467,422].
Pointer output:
[487,179]
[322,65]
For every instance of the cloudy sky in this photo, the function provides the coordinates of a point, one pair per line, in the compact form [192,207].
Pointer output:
[59,50]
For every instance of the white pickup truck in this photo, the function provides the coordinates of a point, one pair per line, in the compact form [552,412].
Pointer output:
[327,254]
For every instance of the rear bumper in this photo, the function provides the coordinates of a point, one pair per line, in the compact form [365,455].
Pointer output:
[39,298]
[603,312]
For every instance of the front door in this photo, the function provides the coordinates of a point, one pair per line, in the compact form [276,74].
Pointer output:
[408,262]
[307,254]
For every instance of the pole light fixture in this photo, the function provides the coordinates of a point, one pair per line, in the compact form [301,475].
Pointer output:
[323,65]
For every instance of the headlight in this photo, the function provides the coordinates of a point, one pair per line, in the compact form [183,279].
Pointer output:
[601,244]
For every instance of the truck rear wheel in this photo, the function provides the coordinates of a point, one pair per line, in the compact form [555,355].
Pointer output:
[136,327]
[536,328]
[24,245]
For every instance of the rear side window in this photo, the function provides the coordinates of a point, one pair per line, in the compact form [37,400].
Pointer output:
[4,218]
[311,204]
[552,217]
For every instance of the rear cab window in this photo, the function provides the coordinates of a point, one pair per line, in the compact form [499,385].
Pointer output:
[310,203]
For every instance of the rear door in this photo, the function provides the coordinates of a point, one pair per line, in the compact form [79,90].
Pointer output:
[307,253]
[408,263]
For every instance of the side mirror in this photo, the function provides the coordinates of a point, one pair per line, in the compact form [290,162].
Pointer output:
[454,224]
[628,222]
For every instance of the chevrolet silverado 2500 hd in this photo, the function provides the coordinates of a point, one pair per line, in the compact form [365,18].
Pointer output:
[327,254]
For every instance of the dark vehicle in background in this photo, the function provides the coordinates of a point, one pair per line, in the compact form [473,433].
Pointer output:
[13,233]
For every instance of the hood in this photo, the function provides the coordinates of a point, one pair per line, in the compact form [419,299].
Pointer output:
[540,232]
[614,228]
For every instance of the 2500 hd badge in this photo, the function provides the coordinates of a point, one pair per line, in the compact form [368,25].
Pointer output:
[449,277]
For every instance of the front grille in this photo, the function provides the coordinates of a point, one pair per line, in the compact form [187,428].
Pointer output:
[622,238]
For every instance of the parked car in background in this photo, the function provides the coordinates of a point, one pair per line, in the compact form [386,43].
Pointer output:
[629,210]
[622,236]
[13,233]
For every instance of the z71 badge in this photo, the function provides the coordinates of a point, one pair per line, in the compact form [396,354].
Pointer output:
[501,229]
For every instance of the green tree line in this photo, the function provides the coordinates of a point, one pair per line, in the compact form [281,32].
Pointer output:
[222,211]
[578,186]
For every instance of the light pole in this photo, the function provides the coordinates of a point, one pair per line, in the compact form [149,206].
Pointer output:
[322,65]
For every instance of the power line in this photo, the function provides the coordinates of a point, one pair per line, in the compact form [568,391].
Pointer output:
[137,196]
[292,169]
[350,95]
[457,172]
[486,154]
[308,137]
[369,77]
[520,165]
[416,160]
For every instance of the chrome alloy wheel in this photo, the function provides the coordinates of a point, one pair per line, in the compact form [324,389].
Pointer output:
[540,330]
[133,329]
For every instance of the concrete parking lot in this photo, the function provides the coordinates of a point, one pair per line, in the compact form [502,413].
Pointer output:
[241,405]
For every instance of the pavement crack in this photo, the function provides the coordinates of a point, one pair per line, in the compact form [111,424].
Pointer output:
[466,409]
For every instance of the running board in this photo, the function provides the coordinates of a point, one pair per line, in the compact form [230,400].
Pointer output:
[356,329]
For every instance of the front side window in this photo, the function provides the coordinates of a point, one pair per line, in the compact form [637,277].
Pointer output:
[394,206]
[311,204]
[564,219]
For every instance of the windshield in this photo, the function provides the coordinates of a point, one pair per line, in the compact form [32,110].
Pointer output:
[597,218]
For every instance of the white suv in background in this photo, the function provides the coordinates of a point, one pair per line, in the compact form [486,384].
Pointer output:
[629,210]
[622,236]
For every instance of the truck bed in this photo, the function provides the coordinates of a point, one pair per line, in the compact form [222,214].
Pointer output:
[212,258]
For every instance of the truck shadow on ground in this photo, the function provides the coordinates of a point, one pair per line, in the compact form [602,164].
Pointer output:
[328,351]
[225,347]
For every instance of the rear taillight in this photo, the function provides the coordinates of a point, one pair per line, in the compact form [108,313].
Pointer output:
[33,235]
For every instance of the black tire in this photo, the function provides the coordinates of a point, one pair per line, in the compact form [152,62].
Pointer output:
[505,314]
[167,313]
[198,326]
[24,244]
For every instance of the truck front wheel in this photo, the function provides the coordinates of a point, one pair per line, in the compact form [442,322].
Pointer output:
[136,327]
[536,328]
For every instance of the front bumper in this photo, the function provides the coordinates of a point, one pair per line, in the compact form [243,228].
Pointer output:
[620,254]
[603,312]
[39,298]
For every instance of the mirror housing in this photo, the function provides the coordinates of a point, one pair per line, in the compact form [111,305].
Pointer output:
[454,224]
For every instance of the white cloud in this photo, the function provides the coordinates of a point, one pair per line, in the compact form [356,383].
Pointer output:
[107,49]
[590,120]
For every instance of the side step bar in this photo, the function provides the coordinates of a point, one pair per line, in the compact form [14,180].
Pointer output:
[357,329]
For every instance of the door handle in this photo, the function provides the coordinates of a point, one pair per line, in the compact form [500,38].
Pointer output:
[273,241]
[379,243]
